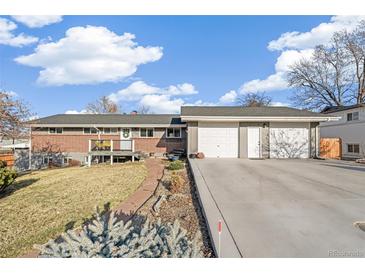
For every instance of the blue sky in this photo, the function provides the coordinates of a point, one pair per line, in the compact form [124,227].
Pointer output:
[163,62]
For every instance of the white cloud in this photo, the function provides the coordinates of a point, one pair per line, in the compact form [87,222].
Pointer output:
[273,82]
[320,34]
[37,21]
[7,37]
[158,100]
[296,45]
[229,97]
[138,89]
[277,80]
[84,111]
[161,103]
[89,55]
[279,104]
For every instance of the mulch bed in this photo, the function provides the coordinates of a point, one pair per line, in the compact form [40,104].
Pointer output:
[182,205]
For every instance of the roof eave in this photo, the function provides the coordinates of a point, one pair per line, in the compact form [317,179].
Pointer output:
[106,125]
[257,118]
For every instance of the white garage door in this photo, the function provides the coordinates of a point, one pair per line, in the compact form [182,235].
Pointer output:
[218,139]
[289,140]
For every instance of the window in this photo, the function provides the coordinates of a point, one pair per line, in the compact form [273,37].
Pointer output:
[146,132]
[66,160]
[55,130]
[45,160]
[353,148]
[114,130]
[353,116]
[86,130]
[107,130]
[173,133]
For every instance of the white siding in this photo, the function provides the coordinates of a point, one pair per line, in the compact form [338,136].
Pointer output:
[350,132]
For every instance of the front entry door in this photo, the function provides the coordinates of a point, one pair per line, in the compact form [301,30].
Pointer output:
[125,136]
[253,142]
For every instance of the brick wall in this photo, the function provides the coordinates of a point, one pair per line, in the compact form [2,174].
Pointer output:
[80,143]
[158,145]
[65,143]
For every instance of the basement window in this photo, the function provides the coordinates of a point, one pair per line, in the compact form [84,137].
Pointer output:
[353,148]
[353,116]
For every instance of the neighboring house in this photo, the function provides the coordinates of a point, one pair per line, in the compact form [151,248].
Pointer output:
[90,138]
[350,128]
[251,132]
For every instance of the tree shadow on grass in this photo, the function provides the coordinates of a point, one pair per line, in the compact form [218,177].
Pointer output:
[17,186]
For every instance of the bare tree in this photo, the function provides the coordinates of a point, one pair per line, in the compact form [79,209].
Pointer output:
[13,117]
[354,45]
[252,99]
[144,110]
[103,105]
[334,75]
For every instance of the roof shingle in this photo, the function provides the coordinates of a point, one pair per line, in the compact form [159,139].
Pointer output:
[247,111]
[100,119]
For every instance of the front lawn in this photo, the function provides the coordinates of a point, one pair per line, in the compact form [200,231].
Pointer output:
[43,204]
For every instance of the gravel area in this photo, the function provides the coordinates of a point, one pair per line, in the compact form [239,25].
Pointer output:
[179,203]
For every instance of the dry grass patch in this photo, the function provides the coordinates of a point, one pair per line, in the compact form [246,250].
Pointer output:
[40,205]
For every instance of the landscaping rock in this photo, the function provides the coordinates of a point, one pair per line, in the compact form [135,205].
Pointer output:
[157,205]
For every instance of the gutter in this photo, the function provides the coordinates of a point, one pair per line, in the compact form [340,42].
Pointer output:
[258,119]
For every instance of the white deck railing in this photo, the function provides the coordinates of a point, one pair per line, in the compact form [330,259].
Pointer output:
[111,145]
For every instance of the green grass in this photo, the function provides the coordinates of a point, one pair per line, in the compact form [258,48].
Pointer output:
[40,205]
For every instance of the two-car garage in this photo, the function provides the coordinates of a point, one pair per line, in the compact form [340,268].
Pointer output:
[252,132]
[276,140]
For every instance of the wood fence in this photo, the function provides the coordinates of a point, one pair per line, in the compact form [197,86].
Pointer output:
[8,158]
[331,148]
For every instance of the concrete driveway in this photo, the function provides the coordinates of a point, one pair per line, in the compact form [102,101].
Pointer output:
[288,208]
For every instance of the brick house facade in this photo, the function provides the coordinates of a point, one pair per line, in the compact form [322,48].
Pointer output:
[65,137]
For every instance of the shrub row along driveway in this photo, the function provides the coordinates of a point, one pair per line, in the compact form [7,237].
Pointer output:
[289,208]
[43,204]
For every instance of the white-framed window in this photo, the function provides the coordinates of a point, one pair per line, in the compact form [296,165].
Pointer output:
[108,130]
[173,132]
[90,130]
[55,130]
[353,116]
[66,160]
[146,132]
[353,148]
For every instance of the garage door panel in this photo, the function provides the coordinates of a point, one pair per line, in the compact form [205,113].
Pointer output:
[289,141]
[218,139]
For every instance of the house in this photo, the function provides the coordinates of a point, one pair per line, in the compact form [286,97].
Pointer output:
[350,128]
[87,138]
[252,132]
